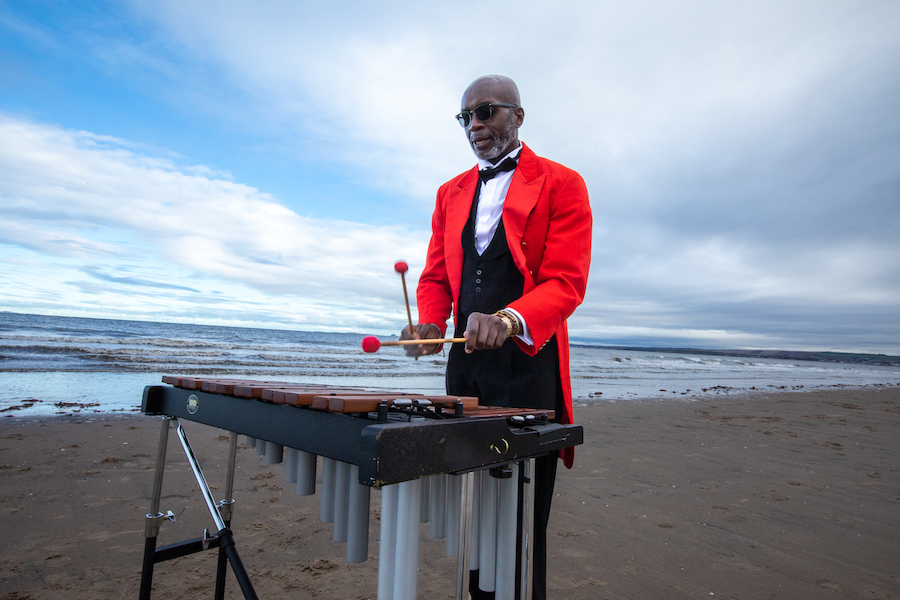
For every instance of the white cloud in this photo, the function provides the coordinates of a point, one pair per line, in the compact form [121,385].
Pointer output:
[73,195]
[636,96]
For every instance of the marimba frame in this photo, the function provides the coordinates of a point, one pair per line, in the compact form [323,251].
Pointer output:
[374,438]
[222,512]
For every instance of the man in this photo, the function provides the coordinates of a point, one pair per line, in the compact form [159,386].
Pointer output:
[508,259]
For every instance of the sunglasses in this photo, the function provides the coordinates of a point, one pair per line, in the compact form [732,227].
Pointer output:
[483,112]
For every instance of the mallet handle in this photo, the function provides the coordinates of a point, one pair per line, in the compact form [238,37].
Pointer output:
[412,330]
[424,341]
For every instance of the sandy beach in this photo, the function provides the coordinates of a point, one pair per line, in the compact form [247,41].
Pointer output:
[778,495]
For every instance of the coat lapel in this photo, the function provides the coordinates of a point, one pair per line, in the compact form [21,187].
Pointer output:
[458,209]
[524,192]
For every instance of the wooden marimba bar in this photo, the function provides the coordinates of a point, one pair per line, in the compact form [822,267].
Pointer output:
[437,459]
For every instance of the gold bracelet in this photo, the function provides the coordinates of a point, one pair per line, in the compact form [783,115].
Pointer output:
[510,320]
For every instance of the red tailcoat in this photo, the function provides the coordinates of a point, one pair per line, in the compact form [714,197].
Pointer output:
[547,218]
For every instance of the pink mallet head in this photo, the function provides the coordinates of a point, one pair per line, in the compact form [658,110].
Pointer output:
[401,267]
[371,344]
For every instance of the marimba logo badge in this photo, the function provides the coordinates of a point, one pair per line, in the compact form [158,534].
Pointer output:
[193,404]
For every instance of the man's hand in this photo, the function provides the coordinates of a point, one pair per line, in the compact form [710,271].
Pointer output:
[423,331]
[484,332]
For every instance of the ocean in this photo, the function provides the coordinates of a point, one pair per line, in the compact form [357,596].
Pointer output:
[67,365]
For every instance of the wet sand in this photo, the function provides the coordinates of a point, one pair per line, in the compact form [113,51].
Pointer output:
[787,495]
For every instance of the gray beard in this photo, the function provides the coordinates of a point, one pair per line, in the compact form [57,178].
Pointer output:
[501,143]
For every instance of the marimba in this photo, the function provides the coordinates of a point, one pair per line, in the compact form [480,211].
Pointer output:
[464,468]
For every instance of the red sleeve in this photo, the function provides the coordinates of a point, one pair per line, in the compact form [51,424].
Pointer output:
[434,299]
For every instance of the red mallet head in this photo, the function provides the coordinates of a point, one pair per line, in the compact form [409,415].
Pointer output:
[371,344]
[401,267]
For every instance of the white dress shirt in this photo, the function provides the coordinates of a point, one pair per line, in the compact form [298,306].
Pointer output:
[490,202]
[487,218]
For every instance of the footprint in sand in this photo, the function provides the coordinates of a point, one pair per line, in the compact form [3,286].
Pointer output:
[829,585]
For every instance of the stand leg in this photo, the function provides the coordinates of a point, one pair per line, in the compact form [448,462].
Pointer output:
[151,530]
[226,507]
[226,541]
[220,574]
[226,544]
[147,569]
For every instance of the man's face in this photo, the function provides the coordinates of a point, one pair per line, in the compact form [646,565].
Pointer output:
[497,136]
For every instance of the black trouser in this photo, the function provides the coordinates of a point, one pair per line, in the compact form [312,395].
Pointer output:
[509,377]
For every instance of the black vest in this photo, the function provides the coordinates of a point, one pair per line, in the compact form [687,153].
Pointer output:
[490,281]
[506,376]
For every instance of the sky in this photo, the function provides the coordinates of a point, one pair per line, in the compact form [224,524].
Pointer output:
[265,164]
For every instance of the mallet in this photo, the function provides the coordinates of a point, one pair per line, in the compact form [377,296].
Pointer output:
[372,343]
[401,267]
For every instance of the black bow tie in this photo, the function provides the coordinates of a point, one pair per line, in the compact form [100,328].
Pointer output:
[508,164]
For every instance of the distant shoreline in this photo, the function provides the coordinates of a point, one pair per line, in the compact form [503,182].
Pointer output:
[878,360]
[884,360]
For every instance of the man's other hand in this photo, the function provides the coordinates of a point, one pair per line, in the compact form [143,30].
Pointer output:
[423,331]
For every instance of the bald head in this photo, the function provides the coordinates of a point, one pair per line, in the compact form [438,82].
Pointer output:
[503,87]
[497,134]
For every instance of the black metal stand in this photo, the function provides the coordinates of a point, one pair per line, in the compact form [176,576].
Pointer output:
[221,514]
